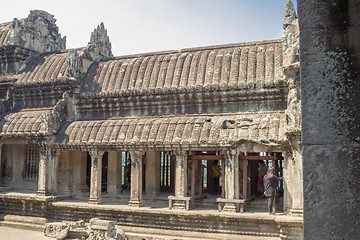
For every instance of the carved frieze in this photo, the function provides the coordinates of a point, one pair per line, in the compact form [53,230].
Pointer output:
[291,67]
[97,229]
[74,64]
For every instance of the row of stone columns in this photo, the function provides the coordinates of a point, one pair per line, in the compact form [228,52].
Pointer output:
[48,166]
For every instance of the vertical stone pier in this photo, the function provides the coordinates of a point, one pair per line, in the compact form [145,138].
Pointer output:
[180,178]
[136,179]
[330,95]
[95,178]
[48,166]
[231,182]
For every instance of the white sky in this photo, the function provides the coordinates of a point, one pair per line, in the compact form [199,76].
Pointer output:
[137,26]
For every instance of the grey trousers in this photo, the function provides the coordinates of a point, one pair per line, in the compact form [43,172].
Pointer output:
[271,201]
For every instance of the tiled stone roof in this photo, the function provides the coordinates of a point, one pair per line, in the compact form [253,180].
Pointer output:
[5,33]
[43,68]
[236,66]
[201,130]
[23,123]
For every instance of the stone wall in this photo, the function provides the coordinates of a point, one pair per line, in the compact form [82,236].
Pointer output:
[330,90]
[12,160]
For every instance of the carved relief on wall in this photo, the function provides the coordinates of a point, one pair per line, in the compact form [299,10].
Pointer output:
[291,67]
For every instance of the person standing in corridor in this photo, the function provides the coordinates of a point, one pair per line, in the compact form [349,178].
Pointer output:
[270,184]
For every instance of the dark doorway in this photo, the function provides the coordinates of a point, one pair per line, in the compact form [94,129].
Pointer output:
[88,169]
[104,173]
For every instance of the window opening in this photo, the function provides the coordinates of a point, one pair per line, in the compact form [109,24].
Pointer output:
[204,170]
[31,165]
[165,170]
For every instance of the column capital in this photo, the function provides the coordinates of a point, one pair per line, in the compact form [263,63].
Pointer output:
[136,179]
[57,153]
[180,153]
[136,154]
[97,153]
[229,152]
[44,148]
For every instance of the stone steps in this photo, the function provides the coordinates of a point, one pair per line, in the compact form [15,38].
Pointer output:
[23,222]
[153,221]
[260,205]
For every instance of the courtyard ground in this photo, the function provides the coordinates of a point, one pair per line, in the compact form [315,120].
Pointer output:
[7,233]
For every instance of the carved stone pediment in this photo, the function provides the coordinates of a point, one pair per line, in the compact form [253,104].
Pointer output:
[38,32]
[291,36]
[99,47]
[52,119]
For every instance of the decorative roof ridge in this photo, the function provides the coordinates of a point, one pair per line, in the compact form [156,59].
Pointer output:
[50,82]
[216,87]
[202,48]
[231,45]
[50,53]
[146,54]
[182,116]
[198,115]
[35,109]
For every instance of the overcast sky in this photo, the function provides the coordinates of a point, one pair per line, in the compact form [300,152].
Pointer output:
[137,26]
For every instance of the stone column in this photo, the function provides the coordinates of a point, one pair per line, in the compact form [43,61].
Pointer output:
[152,173]
[114,174]
[43,151]
[64,171]
[136,179]
[330,90]
[245,166]
[180,177]
[48,165]
[293,198]
[53,172]
[231,181]
[95,180]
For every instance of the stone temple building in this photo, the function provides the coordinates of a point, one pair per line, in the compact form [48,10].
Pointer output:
[134,138]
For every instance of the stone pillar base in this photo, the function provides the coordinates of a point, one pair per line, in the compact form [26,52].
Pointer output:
[135,203]
[296,211]
[45,193]
[229,207]
[41,193]
[179,205]
[94,201]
